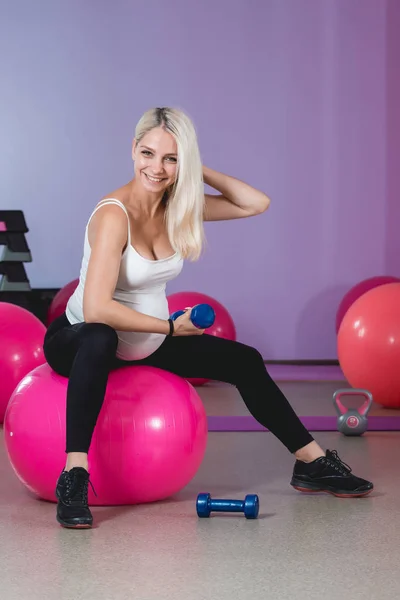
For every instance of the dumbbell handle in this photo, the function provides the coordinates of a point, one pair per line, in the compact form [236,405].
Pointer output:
[217,505]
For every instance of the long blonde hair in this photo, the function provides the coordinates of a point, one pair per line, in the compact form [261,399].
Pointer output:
[185,200]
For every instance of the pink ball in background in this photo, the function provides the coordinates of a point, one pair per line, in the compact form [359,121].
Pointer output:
[369,344]
[357,291]
[60,301]
[149,441]
[223,326]
[21,348]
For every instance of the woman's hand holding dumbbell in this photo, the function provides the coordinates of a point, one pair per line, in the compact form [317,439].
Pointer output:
[183,324]
[193,321]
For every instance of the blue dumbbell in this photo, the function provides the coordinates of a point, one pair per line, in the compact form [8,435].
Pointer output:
[202,315]
[249,506]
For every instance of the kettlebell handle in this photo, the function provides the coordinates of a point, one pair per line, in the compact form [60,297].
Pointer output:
[341,409]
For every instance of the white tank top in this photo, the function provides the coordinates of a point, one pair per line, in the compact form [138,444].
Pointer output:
[141,285]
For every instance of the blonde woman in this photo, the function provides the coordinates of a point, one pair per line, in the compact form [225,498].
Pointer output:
[136,240]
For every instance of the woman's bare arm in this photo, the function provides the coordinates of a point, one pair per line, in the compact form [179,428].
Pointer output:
[108,236]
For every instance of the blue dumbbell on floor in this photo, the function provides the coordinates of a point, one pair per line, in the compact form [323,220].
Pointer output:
[249,506]
[202,315]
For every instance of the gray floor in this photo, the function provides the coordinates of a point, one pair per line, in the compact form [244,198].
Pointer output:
[301,547]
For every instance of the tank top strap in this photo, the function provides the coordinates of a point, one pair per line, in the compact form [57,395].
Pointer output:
[118,203]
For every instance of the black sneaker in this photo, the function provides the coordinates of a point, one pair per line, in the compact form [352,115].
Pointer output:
[329,474]
[72,493]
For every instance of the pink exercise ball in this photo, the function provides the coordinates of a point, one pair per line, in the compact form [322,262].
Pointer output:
[369,344]
[148,443]
[223,326]
[358,290]
[60,301]
[21,348]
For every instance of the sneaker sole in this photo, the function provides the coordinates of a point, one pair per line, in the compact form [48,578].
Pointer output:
[74,525]
[339,494]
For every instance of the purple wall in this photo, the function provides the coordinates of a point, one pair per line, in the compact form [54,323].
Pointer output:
[393,137]
[289,95]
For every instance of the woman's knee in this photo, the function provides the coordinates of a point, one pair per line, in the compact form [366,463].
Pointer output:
[248,355]
[245,361]
[99,337]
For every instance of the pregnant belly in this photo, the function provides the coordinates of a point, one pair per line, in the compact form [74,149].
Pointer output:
[133,345]
[151,304]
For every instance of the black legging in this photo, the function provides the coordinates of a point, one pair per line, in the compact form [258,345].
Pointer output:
[86,353]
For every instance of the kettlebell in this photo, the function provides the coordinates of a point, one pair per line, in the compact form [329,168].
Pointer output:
[352,421]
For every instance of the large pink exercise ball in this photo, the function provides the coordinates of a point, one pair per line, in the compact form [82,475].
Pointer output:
[60,301]
[148,443]
[21,348]
[223,326]
[358,290]
[369,344]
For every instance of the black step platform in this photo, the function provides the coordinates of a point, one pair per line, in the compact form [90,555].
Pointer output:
[14,248]
[13,221]
[14,252]
[13,277]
